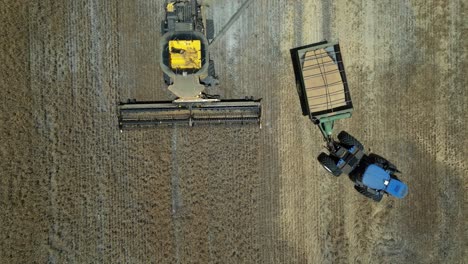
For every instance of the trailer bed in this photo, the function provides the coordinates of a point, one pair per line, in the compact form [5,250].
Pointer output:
[321,80]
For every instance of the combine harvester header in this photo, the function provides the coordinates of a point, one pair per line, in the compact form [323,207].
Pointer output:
[188,71]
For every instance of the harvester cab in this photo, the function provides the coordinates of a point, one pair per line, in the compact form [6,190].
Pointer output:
[188,72]
[325,98]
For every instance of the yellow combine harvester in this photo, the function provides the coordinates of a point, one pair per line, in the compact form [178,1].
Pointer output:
[188,71]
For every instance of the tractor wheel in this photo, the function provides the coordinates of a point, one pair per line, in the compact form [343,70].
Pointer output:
[210,29]
[382,162]
[349,140]
[366,193]
[394,177]
[327,162]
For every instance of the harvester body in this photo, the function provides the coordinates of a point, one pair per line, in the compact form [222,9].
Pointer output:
[188,72]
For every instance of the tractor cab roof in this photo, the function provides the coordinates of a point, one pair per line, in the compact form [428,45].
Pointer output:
[377,178]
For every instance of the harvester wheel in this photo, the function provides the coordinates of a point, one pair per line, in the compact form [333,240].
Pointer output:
[211,69]
[210,29]
[163,27]
[366,193]
[349,140]
[327,162]
[167,79]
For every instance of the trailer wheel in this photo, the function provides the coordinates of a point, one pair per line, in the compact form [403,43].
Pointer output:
[349,140]
[366,193]
[328,164]
[209,29]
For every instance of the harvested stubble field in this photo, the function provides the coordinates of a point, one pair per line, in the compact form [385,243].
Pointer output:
[73,189]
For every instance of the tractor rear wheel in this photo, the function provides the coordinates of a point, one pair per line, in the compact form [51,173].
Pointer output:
[349,140]
[382,162]
[366,193]
[329,164]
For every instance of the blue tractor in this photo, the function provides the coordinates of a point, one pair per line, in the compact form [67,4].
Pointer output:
[325,98]
[373,176]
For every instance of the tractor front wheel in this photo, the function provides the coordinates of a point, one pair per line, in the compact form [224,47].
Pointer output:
[329,164]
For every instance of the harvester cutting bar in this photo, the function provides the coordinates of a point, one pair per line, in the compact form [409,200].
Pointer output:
[151,114]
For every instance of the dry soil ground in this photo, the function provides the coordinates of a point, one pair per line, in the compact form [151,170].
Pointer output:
[74,189]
